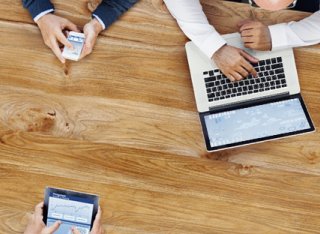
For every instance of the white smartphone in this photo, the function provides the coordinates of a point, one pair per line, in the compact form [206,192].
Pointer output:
[77,40]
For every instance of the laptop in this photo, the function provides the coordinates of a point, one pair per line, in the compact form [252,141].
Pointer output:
[252,110]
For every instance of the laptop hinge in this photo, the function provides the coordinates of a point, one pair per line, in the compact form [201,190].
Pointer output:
[249,102]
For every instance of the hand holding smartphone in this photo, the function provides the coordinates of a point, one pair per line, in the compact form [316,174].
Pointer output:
[77,40]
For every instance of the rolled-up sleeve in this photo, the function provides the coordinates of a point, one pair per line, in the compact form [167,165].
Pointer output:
[302,33]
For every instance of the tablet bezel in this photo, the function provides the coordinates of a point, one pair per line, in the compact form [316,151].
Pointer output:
[92,197]
[257,140]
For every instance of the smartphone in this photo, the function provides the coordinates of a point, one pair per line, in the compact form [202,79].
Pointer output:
[77,40]
[73,209]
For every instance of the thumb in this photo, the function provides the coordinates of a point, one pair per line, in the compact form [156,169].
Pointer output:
[249,57]
[54,227]
[71,26]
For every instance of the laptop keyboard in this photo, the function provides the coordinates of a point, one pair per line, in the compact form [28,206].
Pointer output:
[270,77]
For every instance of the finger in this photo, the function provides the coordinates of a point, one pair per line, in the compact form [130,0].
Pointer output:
[237,76]
[247,33]
[249,57]
[75,230]
[61,37]
[56,50]
[243,22]
[97,220]
[243,72]
[54,227]
[38,210]
[88,46]
[230,77]
[249,68]
[71,26]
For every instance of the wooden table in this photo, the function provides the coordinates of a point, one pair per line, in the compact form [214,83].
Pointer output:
[123,123]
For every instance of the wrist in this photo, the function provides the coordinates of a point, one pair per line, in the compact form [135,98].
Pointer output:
[43,19]
[96,25]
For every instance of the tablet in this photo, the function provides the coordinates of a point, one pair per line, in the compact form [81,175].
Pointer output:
[253,123]
[73,209]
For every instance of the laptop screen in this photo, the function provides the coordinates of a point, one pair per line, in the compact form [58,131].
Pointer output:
[245,125]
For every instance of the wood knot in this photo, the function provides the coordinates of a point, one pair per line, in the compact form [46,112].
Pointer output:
[242,170]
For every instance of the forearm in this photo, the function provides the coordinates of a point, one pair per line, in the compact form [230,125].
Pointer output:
[193,22]
[294,34]
[38,8]
[110,10]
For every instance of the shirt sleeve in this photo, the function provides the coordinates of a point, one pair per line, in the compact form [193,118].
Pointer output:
[38,8]
[194,23]
[110,10]
[294,34]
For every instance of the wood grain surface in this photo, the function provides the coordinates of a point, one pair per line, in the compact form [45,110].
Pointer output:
[123,123]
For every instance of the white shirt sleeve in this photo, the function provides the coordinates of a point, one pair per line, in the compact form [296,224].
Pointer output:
[42,14]
[302,33]
[194,23]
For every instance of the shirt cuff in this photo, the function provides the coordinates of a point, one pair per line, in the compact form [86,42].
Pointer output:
[42,14]
[37,7]
[100,21]
[278,33]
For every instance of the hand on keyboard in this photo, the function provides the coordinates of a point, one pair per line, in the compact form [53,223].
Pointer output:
[234,62]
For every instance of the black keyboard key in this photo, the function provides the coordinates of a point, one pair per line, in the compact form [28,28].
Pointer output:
[278,71]
[273,60]
[268,67]
[268,61]
[271,72]
[251,81]
[223,81]
[217,83]
[209,90]
[255,91]
[219,77]
[284,85]
[214,89]
[209,79]
[233,95]
[266,73]
[210,99]
[283,81]
[239,89]
[250,92]
[279,59]
[276,66]
[274,77]
[268,78]
[255,86]
[210,73]
[250,87]
[205,73]
[280,76]
[224,86]
[230,85]
[234,90]
[262,69]
[223,92]
[236,84]
[219,88]
[262,62]
[216,70]
[239,94]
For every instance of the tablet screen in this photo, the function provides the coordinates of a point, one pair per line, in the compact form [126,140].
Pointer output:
[265,121]
[71,210]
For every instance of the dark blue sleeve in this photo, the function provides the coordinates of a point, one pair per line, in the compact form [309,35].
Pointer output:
[110,10]
[35,7]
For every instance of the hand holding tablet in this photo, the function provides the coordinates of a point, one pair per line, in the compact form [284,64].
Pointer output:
[66,212]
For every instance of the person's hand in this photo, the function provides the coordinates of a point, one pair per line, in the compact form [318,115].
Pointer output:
[51,27]
[255,35]
[234,62]
[97,226]
[36,224]
[91,31]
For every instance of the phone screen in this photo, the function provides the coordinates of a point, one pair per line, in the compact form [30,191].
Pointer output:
[77,42]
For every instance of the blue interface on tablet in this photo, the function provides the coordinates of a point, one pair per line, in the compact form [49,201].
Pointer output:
[72,211]
[256,122]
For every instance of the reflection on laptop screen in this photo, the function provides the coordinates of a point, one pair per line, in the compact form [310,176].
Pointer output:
[256,122]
